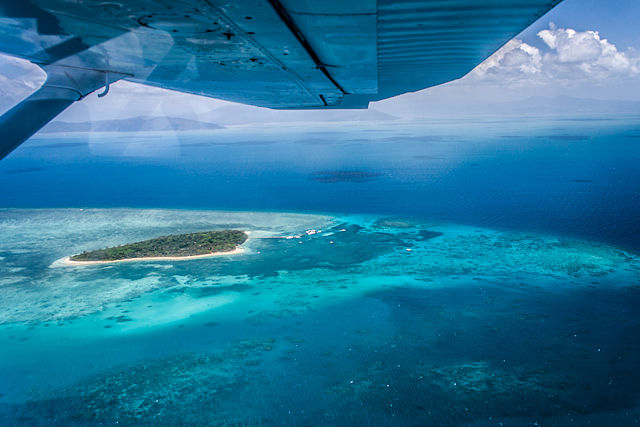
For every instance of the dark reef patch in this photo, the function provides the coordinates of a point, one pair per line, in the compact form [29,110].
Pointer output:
[24,170]
[61,145]
[392,222]
[566,137]
[330,177]
[227,143]
[428,157]
[428,234]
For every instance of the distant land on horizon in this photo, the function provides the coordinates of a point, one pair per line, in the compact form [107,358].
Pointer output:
[133,124]
[417,108]
[238,114]
[568,105]
[410,108]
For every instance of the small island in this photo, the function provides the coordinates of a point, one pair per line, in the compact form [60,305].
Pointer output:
[174,246]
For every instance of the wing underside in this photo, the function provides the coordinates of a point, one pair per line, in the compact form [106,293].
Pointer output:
[272,53]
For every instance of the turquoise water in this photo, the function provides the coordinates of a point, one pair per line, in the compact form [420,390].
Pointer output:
[372,320]
[475,273]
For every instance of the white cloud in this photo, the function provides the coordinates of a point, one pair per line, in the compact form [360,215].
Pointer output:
[567,55]
[516,57]
[588,52]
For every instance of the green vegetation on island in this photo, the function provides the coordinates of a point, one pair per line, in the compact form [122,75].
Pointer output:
[175,245]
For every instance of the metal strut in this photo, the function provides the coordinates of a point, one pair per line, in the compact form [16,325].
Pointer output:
[64,86]
[106,86]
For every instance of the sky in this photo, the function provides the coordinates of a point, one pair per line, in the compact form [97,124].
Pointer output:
[581,49]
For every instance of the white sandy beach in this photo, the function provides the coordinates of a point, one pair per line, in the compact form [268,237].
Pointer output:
[67,262]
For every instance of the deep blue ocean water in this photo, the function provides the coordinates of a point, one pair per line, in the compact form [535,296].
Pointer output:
[579,176]
[468,272]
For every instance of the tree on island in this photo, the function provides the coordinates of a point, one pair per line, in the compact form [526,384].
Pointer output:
[174,245]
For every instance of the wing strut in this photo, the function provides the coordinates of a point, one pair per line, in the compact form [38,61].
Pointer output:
[64,86]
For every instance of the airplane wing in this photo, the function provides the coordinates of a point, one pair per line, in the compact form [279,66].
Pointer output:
[290,54]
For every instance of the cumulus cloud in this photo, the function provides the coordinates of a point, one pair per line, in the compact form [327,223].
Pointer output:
[567,54]
[588,52]
[516,57]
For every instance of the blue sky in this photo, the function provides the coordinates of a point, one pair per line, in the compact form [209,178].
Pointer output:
[582,48]
[616,20]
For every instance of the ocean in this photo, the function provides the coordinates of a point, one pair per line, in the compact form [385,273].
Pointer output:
[472,272]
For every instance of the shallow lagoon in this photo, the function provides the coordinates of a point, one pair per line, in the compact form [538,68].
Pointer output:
[399,320]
